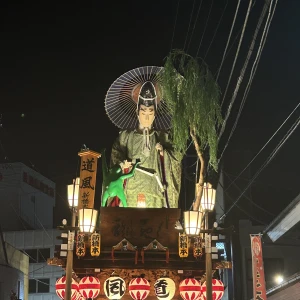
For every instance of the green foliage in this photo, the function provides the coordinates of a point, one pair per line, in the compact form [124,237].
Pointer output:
[192,95]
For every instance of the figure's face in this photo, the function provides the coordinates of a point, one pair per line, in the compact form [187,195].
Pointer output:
[146,115]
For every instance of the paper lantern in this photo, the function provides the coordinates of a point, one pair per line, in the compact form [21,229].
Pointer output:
[89,287]
[164,288]
[139,288]
[79,296]
[190,289]
[114,287]
[217,289]
[60,288]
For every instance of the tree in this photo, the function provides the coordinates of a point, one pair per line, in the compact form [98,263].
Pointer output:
[192,96]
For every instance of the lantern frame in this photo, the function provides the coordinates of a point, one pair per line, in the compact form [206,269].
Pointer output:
[192,222]
[73,193]
[87,218]
[208,198]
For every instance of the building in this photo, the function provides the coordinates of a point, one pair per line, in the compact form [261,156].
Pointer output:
[27,198]
[14,267]
[38,245]
[27,201]
[280,253]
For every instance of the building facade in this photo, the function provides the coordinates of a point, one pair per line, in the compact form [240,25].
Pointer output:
[14,267]
[280,258]
[38,245]
[27,202]
[27,198]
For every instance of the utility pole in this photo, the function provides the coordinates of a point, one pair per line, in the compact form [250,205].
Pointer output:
[69,265]
[208,261]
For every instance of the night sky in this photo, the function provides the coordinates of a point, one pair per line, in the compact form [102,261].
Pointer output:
[58,60]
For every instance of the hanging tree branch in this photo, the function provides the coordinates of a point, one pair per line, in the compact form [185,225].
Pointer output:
[192,95]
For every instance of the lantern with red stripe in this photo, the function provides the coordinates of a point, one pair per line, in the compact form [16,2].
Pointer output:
[60,287]
[89,287]
[139,288]
[217,289]
[79,296]
[190,289]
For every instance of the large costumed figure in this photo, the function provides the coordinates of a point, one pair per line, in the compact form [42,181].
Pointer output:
[135,104]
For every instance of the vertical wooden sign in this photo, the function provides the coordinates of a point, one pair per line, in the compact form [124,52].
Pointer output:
[88,172]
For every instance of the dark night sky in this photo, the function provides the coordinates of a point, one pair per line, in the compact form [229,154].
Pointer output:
[59,59]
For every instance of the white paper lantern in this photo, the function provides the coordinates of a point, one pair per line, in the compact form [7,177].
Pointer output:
[60,288]
[139,288]
[190,289]
[114,287]
[217,289]
[89,287]
[164,288]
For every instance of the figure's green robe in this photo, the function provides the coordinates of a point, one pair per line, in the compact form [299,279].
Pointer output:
[128,146]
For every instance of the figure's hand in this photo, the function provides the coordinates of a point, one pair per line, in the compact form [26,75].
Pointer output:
[159,148]
[126,165]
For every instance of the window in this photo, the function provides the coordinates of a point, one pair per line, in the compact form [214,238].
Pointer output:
[43,285]
[32,253]
[38,255]
[40,285]
[32,286]
[25,177]
[43,254]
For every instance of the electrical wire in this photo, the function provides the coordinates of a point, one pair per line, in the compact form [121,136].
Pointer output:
[268,160]
[249,199]
[174,25]
[264,146]
[252,73]
[191,16]
[242,210]
[194,26]
[216,30]
[238,49]
[261,46]
[241,74]
[212,2]
[228,39]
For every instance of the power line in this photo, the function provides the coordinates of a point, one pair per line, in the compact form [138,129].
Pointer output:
[239,81]
[238,49]
[252,73]
[174,25]
[228,39]
[269,159]
[189,24]
[215,31]
[249,199]
[264,146]
[194,26]
[212,2]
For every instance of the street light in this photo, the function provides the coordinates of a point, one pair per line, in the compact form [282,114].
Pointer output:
[87,218]
[73,194]
[207,205]
[278,279]
[192,222]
